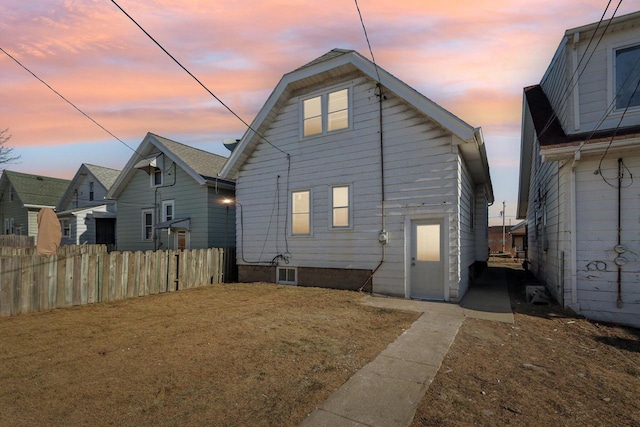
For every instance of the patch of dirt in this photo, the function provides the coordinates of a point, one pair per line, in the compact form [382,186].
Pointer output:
[550,368]
[251,354]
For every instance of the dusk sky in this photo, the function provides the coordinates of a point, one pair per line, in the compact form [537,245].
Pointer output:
[471,57]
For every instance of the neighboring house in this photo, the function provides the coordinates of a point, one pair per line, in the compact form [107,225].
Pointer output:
[22,196]
[343,182]
[499,239]
[85,216]
[169,196]
[580,163]
[519,239]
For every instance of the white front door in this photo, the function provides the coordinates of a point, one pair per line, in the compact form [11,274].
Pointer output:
[427,260]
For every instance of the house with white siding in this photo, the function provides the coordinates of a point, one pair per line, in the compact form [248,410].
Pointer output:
[169,196]
[85,216]
[22,195]
[349,178]
[579,169]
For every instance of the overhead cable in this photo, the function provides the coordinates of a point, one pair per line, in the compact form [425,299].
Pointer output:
[195,78]
[67,101]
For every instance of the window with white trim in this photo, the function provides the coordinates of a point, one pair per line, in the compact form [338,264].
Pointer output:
[627,77]
[156,177]
[325,113]
[340,206]
[287,275]
[301,212]
[65,225]
[168,210]
[91,191]
[147,225]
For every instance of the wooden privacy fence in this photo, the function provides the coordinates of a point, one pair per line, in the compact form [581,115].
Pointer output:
[64,251]
[39,282]
[17,241]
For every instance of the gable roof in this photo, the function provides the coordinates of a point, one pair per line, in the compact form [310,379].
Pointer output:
[201,165]
[338,62]
[36,190]
[105,177]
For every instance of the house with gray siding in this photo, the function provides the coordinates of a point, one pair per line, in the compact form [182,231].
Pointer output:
[22,195]
[169,196]
[349,178]
[580,159]
[85,216]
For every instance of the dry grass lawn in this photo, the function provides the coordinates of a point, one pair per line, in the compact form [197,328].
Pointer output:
[253,354]
[550,368]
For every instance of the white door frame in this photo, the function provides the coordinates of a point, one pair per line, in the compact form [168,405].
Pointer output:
[408,220]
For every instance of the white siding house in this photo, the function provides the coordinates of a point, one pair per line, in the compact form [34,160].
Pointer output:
[349,178]
[85,216]
[579,159]
[170,197]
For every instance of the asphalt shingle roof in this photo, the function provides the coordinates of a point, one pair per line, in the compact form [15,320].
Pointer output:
[206,164]
[106,176]
[37,189]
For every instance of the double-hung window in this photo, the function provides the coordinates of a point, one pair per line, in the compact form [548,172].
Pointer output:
[91,191]
[627,77]
[156,177]
[341,206]
[325,113]
[147,225]
[301,212]
[168,210]
[65,225]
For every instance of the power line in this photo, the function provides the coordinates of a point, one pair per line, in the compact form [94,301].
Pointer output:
[366,36]
[574,82]
[195,78]
[67,101]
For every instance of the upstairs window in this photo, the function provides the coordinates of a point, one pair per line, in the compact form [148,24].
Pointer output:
[91,191]
[325,113]
[156,177]
[627,75]
[11,194]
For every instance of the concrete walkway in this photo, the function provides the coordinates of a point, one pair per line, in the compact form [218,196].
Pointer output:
[387,391]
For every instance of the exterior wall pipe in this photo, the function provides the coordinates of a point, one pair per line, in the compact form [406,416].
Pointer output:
[574,246]
[620,172]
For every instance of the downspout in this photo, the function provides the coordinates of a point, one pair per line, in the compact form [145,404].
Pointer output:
[573,261]
[618,261]
[383,236]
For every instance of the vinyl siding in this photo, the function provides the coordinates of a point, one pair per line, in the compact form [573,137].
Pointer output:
[422,171]
[13,209]
[191,201]
[596,221]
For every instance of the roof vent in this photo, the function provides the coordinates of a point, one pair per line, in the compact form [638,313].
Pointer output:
[40,178]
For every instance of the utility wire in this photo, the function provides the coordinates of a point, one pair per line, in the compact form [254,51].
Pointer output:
[366,36]
[196,79]
[574,82]
[67,101]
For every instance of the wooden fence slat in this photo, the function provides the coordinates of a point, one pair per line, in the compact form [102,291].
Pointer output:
[92,278]
[40,276]
[52,281]
[68,285]
[77,283]
[6,286]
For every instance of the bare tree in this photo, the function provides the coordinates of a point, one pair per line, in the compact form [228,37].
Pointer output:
[6,152]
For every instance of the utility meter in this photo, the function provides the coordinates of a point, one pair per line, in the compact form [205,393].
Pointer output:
[383,237]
